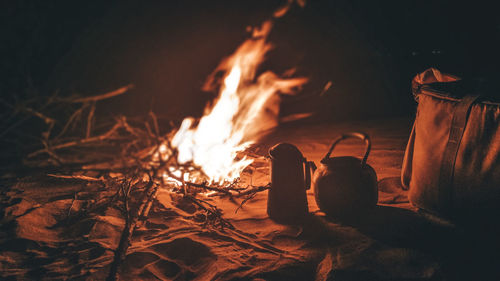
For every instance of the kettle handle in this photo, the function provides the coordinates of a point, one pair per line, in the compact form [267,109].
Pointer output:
[309,166]
[361,136]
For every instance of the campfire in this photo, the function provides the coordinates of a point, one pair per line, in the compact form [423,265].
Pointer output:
[200,158]
[246,108]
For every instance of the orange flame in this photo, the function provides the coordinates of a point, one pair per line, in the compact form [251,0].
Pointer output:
[244,110]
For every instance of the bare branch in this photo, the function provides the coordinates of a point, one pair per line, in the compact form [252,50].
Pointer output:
[90,119]
[102,137]
[101,97]
[76,177]
[75,116]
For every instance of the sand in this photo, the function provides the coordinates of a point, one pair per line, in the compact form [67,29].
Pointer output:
[41,238]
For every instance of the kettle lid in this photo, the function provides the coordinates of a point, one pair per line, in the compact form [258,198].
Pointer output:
[285,151]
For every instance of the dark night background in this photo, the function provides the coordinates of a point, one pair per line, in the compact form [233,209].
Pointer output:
[370,50]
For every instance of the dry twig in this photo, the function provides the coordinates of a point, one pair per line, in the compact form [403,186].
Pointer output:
[76,177]
[131,221]
[144,152]
[108,95]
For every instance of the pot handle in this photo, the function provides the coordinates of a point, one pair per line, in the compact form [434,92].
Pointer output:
[309,166]
[361,136]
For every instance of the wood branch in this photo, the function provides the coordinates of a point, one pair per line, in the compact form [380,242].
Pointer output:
[131,130]
[98,206]
[255,189]
[46,134]
[40,115]
[72,118]
[130,225]
[223,190]
[148,129]
[211,188]
[251,194]
[102,137]
[72,204]
[59,161]
[108,95]
[90,119]
[32,113]
[155,123]
[76,177]
[211,210]
[145,211]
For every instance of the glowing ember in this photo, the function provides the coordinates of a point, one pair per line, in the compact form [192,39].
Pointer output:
[245,109]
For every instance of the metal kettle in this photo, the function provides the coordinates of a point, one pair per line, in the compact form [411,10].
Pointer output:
[290,178]
[345,187]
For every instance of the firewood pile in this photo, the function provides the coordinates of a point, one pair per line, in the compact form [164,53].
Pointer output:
[130,159]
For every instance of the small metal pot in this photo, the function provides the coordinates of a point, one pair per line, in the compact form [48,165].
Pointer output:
[290,178]
[346,186]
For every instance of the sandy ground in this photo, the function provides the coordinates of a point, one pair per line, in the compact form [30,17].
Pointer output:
[41,240]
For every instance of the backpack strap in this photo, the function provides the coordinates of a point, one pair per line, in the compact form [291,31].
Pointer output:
[407,166]
[458,123]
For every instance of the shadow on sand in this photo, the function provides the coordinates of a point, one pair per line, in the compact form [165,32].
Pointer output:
[465,251]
